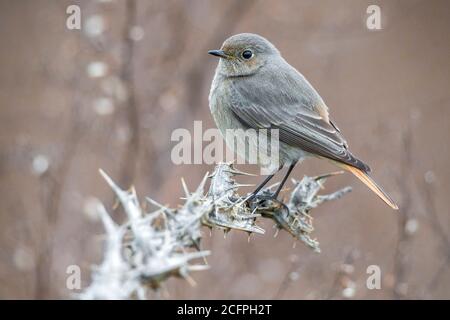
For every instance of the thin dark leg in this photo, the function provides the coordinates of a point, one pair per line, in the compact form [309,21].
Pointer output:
[284,180]
[254,193]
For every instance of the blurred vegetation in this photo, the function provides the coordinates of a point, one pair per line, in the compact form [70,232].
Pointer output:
[110,94]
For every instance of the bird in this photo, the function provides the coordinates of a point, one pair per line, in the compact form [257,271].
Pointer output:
[254,87]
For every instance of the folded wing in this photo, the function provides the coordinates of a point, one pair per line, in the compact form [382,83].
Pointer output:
[273,105]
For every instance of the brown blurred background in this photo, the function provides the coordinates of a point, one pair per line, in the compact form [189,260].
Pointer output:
[110,94]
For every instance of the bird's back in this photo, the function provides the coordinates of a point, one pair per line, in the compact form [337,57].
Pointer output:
[280,97]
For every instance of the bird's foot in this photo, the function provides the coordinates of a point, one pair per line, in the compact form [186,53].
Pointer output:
[265,196]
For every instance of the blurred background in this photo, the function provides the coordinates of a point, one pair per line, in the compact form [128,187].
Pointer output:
[109,96]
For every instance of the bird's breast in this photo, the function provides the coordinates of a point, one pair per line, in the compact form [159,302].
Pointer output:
[220,99]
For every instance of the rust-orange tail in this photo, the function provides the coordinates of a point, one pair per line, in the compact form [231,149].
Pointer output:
[368,181]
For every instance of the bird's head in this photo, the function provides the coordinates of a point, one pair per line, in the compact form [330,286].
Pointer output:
[244,54]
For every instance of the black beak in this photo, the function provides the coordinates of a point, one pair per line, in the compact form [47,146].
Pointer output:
[218,53]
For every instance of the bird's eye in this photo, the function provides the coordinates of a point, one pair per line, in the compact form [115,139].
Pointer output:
[247,54]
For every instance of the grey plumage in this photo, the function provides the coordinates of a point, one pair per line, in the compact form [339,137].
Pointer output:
[262,91]
[274,95]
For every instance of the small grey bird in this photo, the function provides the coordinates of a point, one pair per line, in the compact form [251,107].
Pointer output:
[255,88]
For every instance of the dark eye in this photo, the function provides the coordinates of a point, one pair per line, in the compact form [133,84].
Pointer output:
[247,54]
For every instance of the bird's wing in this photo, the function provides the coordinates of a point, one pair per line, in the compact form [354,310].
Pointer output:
[270,105]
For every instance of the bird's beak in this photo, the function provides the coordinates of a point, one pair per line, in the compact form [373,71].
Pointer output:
[218,53]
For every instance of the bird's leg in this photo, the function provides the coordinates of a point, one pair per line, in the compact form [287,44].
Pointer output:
[275,195]
[254,193]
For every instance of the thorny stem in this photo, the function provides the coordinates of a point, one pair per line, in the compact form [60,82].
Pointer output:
[153,246]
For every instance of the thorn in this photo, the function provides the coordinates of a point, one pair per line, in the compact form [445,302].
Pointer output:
[272,186]
[321,184]
[202,184]
[116,203]
[157,204]
[276,232]
[190,280]
[104,175]
[198,267]
[196,244]
[109,224]
[249,236]
[327,175]
[185,188]
[132,190]
[294,244]
[238,204]
[237,172]
[238,185]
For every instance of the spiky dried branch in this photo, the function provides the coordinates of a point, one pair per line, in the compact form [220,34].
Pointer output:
[152,246]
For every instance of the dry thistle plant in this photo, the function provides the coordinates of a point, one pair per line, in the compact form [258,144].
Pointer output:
[149,247]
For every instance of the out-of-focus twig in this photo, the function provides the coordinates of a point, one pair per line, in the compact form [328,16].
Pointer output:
[343,282]
[401,264]
[407,224]
[128,164]
[440,232]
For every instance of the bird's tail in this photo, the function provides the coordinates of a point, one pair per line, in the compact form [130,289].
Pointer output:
[368,181]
